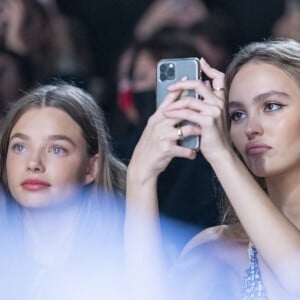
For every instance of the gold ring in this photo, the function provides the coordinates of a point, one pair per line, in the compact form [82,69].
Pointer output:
[180,134]
[218,89]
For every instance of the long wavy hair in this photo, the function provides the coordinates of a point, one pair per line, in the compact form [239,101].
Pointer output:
[282,53]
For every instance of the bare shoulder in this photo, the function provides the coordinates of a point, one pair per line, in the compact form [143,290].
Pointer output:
[211,262]
[214,237]
[208,235]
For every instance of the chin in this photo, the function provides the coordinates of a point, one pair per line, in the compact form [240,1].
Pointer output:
[257,167]
[263,171]
[35,200]
[32,204]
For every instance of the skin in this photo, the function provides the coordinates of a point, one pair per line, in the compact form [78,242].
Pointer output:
[273,121]
[266,121]
[47,144]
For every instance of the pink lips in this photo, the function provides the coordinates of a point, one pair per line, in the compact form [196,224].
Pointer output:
[254,148]
[34,185]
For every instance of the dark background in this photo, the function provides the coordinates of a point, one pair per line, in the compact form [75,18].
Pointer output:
[109,23]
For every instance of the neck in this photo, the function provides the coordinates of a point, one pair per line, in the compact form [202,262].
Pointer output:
[50,231]
[49,219]
[285,193]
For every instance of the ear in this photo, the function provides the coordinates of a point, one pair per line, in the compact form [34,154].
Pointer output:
[91,169]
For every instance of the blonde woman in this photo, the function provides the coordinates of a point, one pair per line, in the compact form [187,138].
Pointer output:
[255,253]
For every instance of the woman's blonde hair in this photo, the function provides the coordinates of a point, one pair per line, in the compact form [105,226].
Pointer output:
[282,53]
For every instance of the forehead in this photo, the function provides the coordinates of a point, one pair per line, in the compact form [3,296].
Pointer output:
[46,120]
[257,78]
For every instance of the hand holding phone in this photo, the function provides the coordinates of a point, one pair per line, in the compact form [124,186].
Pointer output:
[170,71]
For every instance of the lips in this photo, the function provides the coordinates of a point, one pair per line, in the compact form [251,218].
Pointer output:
[34,185]
[255,148]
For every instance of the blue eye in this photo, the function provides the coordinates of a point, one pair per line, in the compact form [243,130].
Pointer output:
[237,116]
[58,150]
[19,148]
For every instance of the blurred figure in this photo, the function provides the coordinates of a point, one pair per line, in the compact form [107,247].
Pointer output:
[137,78]
[26,31]
[15,79]
[161,13]
[71,48]
[182,179]
[24,25]
[213,38]
[55,44]
[288,25]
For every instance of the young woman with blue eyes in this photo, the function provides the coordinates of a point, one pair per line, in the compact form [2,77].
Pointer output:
[62,185]
[249,124]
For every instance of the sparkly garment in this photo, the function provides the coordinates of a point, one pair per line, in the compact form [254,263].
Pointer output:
[253,287]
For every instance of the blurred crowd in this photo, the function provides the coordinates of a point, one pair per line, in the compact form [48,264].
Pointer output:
[40,44]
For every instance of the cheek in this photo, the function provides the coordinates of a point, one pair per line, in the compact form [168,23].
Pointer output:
[288,128]
[12,167]
[68,172]
[237,138]
[13,176]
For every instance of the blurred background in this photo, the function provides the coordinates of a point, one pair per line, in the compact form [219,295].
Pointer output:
[111,48]
[110,23]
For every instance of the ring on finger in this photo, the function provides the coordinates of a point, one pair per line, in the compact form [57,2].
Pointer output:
[180,133]
[218,89]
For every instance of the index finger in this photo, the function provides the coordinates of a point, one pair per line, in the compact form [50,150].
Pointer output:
[171,96]
[216,76]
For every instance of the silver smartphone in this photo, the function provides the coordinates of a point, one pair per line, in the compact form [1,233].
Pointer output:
[168,72]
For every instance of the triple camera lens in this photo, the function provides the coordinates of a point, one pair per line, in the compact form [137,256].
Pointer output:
[167,71]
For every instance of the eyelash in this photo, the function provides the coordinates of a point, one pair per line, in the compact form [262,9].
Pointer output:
[16,145]
[64,151]
[234,114]
[279,105]
[55,147]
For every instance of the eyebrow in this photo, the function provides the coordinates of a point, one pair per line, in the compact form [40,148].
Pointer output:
[52,137]
[258,98]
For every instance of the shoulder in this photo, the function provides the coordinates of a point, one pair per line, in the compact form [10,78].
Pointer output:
[215,247]
[203,270]
[212,236]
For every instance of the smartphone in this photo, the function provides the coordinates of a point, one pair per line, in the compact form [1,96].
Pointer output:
[168,72]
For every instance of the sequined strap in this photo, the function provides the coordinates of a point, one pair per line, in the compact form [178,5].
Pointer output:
[253,287]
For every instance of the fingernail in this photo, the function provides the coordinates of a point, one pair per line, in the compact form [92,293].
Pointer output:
[171,87]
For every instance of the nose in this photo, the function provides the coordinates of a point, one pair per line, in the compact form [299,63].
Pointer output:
[253,128]
[35,163]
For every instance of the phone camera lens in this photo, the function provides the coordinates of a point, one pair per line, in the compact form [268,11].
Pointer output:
[163,77]
[167,71]
[170,73]
[163,67]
